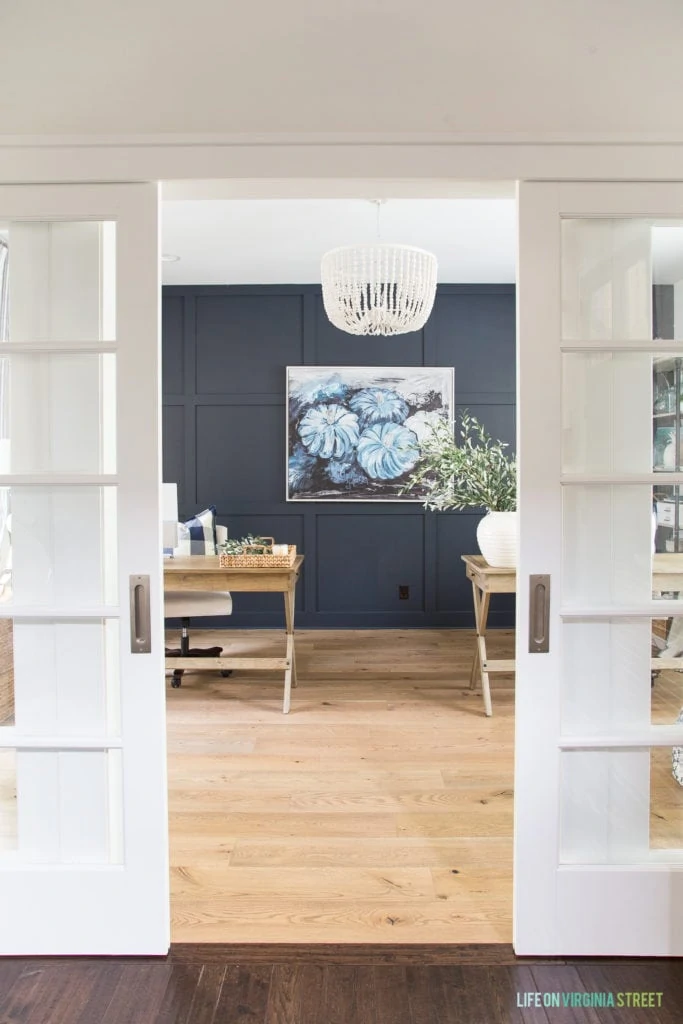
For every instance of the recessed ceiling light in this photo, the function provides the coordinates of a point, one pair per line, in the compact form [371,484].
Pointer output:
[167,257]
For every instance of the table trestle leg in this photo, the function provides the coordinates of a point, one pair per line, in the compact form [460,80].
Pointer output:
[481,614]
[290,672]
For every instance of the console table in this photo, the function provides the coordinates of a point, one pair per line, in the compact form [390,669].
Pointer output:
[204,573]
[487,580]
[667,575]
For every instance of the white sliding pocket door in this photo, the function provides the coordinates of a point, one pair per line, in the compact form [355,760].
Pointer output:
[599,814]
[83,817]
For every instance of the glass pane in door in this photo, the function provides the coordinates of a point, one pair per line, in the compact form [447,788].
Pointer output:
[58,546]
[608,545]
[60,802]
[58,413]
[620,674]
[622,413]
[44,266]
[79,792]
[60,677]
[622,544]
[8,801]
[618,806]
[621,280]
[666,798]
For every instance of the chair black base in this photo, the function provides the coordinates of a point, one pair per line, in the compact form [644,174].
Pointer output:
[179,672]
[186,651]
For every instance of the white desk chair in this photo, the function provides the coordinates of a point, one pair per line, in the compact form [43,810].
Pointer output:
[184,605]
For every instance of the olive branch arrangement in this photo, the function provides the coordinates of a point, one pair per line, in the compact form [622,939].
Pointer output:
[475,472]
[236,547]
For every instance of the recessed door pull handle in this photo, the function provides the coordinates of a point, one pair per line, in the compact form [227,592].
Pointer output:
[539,614]
[140,620]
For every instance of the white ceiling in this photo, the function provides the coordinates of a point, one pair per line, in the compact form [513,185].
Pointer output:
[281,241]
[278,241]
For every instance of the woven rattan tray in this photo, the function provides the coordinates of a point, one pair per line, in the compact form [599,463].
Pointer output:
[258,561]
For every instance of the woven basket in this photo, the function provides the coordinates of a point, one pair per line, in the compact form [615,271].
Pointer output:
[260,560]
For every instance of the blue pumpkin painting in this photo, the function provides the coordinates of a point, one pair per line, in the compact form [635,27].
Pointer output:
[354,433]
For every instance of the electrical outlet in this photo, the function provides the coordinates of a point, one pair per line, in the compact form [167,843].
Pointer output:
[403,592]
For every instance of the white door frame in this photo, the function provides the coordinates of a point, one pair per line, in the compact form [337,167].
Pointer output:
[334,167]
[259,165]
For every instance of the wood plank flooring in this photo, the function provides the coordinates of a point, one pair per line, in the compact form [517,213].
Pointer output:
[378,810]
[181,990]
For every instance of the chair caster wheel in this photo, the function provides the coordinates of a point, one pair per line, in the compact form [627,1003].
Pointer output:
[225,672]
[177,679]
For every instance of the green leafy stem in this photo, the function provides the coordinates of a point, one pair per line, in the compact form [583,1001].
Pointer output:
[236,547]
[475,471]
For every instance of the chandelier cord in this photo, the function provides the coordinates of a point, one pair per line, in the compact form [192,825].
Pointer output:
[378,203]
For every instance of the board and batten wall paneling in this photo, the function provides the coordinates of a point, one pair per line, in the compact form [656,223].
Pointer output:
[225,349]
[362,560]
[240,454]
[261,332]
[175,416]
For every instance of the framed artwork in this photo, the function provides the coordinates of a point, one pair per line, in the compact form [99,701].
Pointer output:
[354,433]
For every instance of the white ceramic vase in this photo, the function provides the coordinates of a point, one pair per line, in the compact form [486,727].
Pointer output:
[497,539]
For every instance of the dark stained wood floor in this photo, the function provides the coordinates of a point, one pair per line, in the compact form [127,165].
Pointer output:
[207,985]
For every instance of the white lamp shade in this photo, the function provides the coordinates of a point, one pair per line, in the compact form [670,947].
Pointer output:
[378,289]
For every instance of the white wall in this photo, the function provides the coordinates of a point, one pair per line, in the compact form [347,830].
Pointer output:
[543,67]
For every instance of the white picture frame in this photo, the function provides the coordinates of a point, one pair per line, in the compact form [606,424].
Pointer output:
[348,429]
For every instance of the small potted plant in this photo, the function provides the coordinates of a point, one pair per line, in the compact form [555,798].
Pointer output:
[475,471]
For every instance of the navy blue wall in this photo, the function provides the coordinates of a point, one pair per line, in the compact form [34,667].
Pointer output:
[225,350]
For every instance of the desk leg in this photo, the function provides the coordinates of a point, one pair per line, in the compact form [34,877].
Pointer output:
[290,673]
[475,660]
[481,614]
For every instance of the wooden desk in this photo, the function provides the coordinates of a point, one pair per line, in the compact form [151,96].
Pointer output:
[486,581]
[667,574]
[204,573]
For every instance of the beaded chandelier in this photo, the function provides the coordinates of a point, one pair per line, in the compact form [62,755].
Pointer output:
[378,288]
